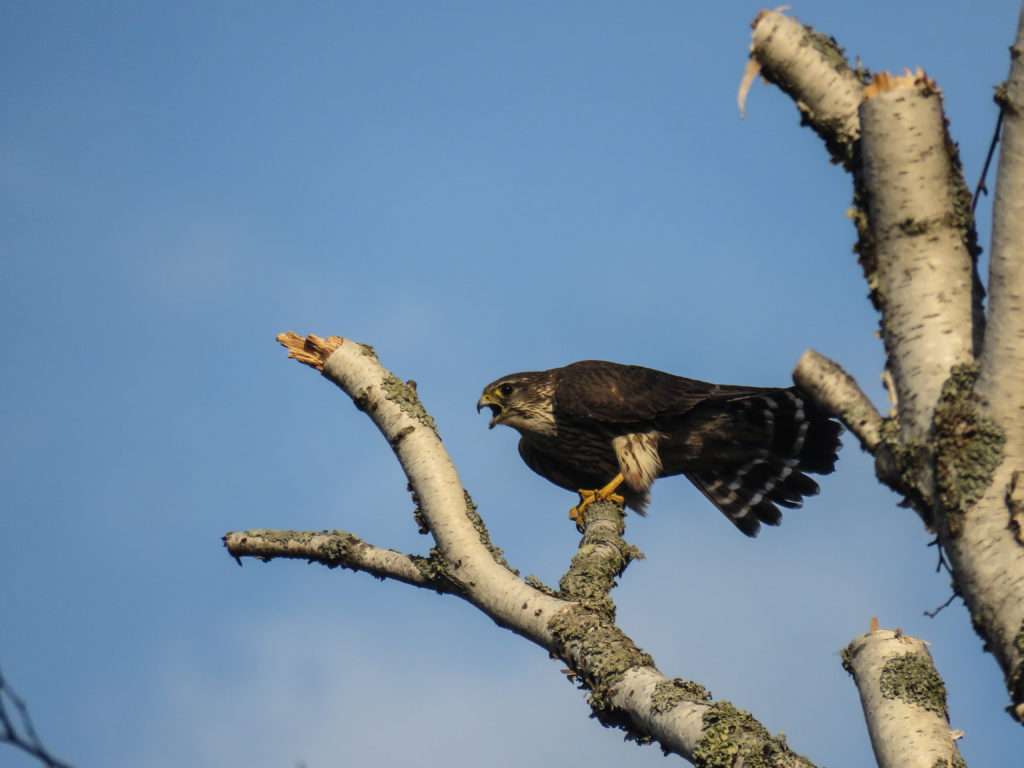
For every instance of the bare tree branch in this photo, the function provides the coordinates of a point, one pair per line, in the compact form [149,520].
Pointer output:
[925,270]
[811,67]
[575,624]
[1002,362]
[987,547]
[942,445]
[18,730]
[837,391]
[904,701]
[954,449]
[338,548]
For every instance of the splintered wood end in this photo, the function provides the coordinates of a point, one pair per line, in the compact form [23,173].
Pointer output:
[312,350]
[884,81]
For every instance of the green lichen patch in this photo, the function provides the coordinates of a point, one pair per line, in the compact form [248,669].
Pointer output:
[336,549]
[835,132]
[366,349]
[916,227]
[968,444]
[1001,95]
[865,247]
[846,655]
[436,573]
[404,395]
[602,556]
[733,737]
[581,633]
[904,467]
[913,462]
[668,693]
[830,50]
[540,586]
[912,678]
[484,534]
[400,435]
[361,399]
[962,201]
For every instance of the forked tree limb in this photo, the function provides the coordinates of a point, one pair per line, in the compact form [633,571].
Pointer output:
[954,449]
[575,623]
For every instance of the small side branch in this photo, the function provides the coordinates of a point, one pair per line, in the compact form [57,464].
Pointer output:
[904,700]
[16,728]
[812,69]
[339,549]
[837,392]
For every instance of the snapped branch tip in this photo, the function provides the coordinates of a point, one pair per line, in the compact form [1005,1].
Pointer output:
[312,350]
[884,81]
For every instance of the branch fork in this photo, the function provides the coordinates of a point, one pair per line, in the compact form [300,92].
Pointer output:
[954,442]
[575,624]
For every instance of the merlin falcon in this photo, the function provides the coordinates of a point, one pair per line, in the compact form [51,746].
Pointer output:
[617,428]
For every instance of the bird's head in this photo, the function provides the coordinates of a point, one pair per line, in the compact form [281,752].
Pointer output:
[522,401]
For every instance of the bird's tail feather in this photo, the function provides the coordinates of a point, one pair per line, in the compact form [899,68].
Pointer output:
[781,437]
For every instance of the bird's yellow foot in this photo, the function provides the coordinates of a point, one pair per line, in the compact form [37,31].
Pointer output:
[602,494]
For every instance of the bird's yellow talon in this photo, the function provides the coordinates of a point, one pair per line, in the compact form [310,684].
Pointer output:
[603,494]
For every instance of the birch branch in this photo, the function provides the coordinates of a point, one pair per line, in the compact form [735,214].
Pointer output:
[338,548]
[444,508]
[838,393]
[1002,362]
[984,442]
[904,701]
[576,624]
[954,445]
[915,209]
[811,68]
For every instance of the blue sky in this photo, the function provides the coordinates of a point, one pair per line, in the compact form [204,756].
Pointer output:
[474,188]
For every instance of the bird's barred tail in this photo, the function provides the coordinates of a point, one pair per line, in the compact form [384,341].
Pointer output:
[780,436]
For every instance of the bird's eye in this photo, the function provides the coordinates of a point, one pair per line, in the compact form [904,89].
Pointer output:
[506,390]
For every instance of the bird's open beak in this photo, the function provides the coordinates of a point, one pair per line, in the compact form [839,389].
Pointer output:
[489,401]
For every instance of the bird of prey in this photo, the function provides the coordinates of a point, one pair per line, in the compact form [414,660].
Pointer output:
[612,427]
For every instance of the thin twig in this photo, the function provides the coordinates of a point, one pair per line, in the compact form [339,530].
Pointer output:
[22,735]
[988,161]
[937,611]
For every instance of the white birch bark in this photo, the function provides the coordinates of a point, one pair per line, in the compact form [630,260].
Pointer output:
[576,625]
[925,273]
[990,548]
[810,67]
[411,434]
[904,701]
[1002,363]
[955,447]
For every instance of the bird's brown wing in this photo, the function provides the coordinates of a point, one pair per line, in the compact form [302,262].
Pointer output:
[626,394]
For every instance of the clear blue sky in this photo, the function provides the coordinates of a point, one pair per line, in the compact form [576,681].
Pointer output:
[474,188]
